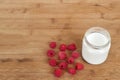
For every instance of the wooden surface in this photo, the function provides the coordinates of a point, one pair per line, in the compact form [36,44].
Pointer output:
[26,27]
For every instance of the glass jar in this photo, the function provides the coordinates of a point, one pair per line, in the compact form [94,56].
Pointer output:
[96,44]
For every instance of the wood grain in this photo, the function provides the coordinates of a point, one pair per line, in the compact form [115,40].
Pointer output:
[27,26]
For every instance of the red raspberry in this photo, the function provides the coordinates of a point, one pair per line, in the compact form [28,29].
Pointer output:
[62,55]
[71,47]
[63,65]
[51,53]
[75,54]
[70,60]
[79,66]
[52,44]
[58,72]
[72,71]
[62,47]
[52,62]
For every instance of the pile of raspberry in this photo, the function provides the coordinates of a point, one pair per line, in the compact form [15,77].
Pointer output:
[63,60]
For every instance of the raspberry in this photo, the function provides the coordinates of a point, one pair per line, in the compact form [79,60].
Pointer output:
[52,62]
[51,53]
[71,47]
[64,59]
[62,47]
[63,65]
[79,66]
[70,60]
[62,55]
[58,72]
[72,71]
[52,44]
[75,54]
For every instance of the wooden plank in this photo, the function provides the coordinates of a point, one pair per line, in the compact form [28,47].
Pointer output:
[91,1]
[12,43]
[56,23]
[51,15]
[30,1]
[59,10]
[15,72]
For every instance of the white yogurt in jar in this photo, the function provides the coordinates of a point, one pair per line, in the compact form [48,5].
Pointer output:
[95,47]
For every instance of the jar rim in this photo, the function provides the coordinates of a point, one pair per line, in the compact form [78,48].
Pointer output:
[97,30]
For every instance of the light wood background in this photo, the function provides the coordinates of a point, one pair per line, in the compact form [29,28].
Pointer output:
[27,26]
